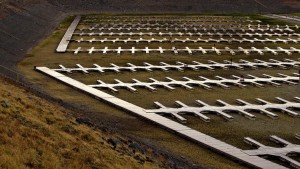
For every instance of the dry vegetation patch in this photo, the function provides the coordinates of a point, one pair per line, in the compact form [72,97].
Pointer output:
[35,133]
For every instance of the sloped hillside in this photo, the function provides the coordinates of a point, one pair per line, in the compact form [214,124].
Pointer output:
[35,133]
[22,25]
[295,4]
[24,22]
[198,6]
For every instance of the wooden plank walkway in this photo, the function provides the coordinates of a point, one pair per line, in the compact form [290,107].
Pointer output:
[180,66]
[284,17]
[204,82]
[147,50]
[185,40]
[198,137]
[62,47]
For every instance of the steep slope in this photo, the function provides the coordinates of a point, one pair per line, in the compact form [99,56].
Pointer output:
[292,3]
[35,133]
[196,6]
[22,25]
[24,22]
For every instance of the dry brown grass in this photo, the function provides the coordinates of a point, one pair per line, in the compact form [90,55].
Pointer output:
[35,133]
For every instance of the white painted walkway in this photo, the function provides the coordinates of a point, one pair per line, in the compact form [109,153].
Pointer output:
[198,137]
[211,65]
[63,45]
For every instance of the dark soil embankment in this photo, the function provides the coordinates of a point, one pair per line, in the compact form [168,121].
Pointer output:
[195,6]
[24,22]
[22,25]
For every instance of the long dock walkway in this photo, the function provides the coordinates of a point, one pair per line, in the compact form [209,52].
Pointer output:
[63,45]
[184,131]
